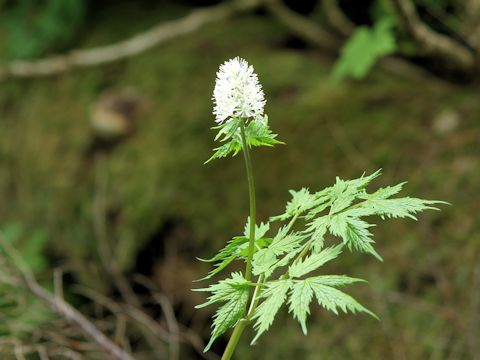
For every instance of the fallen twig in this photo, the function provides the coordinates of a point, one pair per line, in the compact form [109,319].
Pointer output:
[58,305]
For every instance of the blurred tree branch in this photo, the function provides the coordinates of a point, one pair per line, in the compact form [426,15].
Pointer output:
[472,24]
[127,48]
[431,42]
[302,26]
[337,19]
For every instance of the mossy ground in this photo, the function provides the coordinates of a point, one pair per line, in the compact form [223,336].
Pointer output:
[423,291]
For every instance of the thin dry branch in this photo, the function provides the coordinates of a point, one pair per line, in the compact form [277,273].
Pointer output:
[183,333]
[151,330]
[168,313]
[471,25]
[336,18]
[172,324]
[302,26]
[470,14]
[430,42]
[127,48]
[58,305]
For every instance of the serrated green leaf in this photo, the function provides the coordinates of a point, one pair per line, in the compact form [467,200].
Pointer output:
[263,260]
[258,133]
[283,242]
[343,196]
[322,204]
[229,253]
[231,247]
[260,230]
[301,201]
[299,303]
[234,291]
[362,182]
[232,147]
[333,299]
[228,129]
[228,315]
[354,233]
[229,133]
[335,280]
[317,229]
[218,267]
[275,294]
[384,193]
[224,289]
[238,248]
[284,261]
[314,261]
[397,208]
[344,192]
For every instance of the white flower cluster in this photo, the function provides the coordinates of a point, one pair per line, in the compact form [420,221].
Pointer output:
[237,92]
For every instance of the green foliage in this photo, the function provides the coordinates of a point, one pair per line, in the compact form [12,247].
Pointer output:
[338,210]
[266,260]
[21,313]
[300,298]
[333,299]
[257,133]
[325,293]
[354,233]
[30,247]
[314,261]
[237,248]
[35,27]
[274,295]
[228,315]
[364,48]
[301,201]
[232,291]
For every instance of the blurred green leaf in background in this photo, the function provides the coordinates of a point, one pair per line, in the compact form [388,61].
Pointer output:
[35,27]
[21,313]
[364,48]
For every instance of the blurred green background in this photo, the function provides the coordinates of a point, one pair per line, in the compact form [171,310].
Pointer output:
[375,101]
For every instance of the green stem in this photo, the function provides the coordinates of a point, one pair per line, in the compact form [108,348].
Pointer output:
[251,194]
[232,343]
[256,293]
[292,222]
[242,324]
[237,332]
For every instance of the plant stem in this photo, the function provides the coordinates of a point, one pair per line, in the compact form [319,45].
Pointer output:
[232,343]
[292,222]
[261,279]
[251,194]
[242,324]
[256,292]
[237,332]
